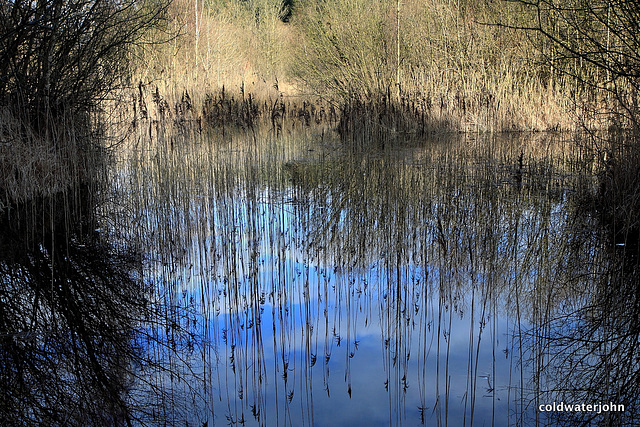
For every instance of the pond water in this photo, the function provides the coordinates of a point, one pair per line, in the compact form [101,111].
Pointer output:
[291,277]
[442,281]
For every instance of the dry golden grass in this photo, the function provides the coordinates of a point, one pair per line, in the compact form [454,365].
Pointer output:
[39,166]
[459,71]
[227,48]
[473,76]
[30,167]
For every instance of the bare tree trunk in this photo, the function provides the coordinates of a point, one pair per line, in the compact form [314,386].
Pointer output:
[398,50]
[197,31]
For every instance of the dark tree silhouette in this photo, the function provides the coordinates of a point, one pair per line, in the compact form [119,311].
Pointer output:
[60,57]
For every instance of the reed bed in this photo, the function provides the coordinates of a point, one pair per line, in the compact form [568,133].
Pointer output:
[297,270]
[223,110]
[34,165]
[440,66]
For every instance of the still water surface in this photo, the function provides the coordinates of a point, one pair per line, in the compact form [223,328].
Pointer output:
[303,281]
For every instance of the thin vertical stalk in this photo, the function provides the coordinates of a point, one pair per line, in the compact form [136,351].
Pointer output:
[398,50]
[197,31]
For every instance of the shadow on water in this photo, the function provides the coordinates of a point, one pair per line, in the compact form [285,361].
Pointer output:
[70,315]
[588,350]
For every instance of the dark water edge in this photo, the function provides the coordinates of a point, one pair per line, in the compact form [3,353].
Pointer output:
[258,278]
[69,308]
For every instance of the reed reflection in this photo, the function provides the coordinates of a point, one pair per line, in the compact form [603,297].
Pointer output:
[332,285]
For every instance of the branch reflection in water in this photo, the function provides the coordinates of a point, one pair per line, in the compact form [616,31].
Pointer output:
[69,309]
